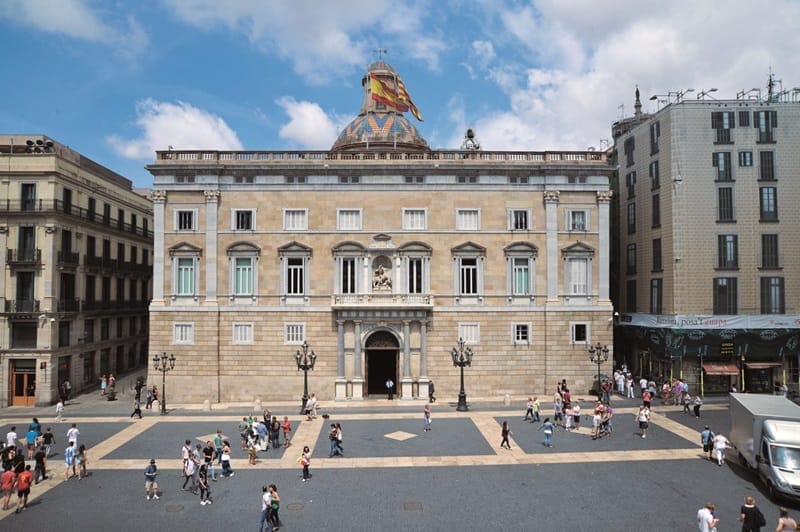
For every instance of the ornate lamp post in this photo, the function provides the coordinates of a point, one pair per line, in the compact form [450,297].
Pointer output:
[305,362]
[462,357]
[597,355]
[163,363]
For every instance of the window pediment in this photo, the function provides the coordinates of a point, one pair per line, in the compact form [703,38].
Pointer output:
[295,248]
[349,247]
[243,248]
[415,247]
[521,248]
[468,248]
[185,248]
[578,249]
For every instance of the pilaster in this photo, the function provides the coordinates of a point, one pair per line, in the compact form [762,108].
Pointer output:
[406,384]
[604,237]
[551,219]
[341,382]
[159,199]
[358,379]
[212,204]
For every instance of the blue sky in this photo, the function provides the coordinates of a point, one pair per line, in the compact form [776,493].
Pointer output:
[118,79]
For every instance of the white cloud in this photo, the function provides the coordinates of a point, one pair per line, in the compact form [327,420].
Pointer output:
[309,127]
[180,125]
[78,20]
[483,52]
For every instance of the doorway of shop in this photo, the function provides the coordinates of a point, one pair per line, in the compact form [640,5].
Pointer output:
[382,352]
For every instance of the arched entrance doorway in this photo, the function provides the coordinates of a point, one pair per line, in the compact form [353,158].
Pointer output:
[381,353]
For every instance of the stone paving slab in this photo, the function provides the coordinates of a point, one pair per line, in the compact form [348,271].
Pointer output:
[91,433]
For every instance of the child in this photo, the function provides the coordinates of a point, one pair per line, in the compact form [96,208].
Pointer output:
[251,451]
[287,429]
[687,400]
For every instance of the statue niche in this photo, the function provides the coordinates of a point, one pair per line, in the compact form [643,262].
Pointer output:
[382,275]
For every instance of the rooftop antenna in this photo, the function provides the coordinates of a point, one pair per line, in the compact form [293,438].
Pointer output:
[381,52]
[771,96]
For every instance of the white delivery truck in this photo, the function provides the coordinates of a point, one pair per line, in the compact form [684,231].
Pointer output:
[765,429]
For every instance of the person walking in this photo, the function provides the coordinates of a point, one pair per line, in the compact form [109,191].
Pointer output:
[720,446]
[548,429]
[208,460]
[266,507]
[137,409]
[275,505]
[305,462]
[785,523]
[218,441]
[150,482]
[505,432]
[751,517]
[707,439]
[11,437]
[40,470]
[69,461]
[698,402]
[148,399]
[431,390]
[426,417]
[49,439]
[188,475]
[202,482]
[558,408]
[82,458]
[24,481]
[339,447]
[59,410]
[103,385]
[287,431]
[390,388]
[537,407]
[529,410]
[332,437]
[643,417]
[227,470]
[72,435]
[275,432]
[7,482]
[706,518]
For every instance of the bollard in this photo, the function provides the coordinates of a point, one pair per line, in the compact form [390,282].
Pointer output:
[206,406]
[257,406]
[507,400]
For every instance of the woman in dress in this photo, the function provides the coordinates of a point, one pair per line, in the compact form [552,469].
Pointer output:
[275,504]
[103,385]
[227,470]
[504,432]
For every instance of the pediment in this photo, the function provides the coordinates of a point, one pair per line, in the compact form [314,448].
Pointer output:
[295,247]
[469,247]
[349,246]
[521,247]
[381,237]
[243,247]
[578,248]
[415,246]
[185,248]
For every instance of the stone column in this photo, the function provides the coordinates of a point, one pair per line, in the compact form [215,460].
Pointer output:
[406,383]
[551,219]
[341,382]
[212,203]
[358,379]
[159,198]
[48,257]
[423,359]
[604,237]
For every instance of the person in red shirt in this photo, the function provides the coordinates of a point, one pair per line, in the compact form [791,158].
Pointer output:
[7,481]
[24,481]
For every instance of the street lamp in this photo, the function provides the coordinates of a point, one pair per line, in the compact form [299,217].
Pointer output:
[305,362]
[164,364]
[462,357]
[597,355]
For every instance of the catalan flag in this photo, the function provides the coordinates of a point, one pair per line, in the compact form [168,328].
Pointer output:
[403,96]
[381,92]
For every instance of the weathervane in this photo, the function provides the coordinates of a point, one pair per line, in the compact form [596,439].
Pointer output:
[381,52]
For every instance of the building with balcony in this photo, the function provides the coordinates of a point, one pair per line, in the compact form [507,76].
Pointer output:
[380,253]
[75,266]
[706,287]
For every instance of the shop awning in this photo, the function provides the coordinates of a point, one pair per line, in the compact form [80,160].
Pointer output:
[762,365]
[720,368]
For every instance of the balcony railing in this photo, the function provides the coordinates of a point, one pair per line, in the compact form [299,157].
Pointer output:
[21,306]
[69,305]
[91,261]
[54,206]
[382,300]
[68,259]
[24,257]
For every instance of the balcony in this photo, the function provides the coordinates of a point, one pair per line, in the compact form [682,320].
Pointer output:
[68,259]
[24,258]
[99,263]
[382,300]
[68,305]
[21,306]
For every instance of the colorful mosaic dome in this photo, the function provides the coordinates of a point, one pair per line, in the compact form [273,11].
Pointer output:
[378,130]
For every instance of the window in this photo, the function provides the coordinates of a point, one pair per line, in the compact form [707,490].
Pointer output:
[727,252]
[63,333]
[92,209]
[186,220]
[242,333]
[185,276]
[630,295]
[470,333]
[744,119]
[243,219]
[348,219]
[88,331]
[295,276]
[521,333]
[657,266]
[655,135]
[630,182]
[295,179]
[629,148]
[721,160]
[243,179]
[772,295]
[349,179]
[414,179]
[463,179]
[578,220]
[120,326]
[655,211]
[348,268]
[577,276]
[243,276]
[723,122]
[631,218]
[518,180]
[630,259]
[23,335]
[579,333]
[766,167]
[120,218]
[655,178]
[745,158]
[519,219]
[294,333]
[295,271]
[468,219]
[468,276]
[106,214]
[295,219]
[656,292]
[769,251]
[520,259]
[414,219]
[768,203]
[183,333]
[416,275]
[28,196]
[725,295]
[725,205]
[765,122]
[105,329]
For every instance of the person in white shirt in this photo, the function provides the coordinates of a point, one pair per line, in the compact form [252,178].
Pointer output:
[629,386]
[266,505]
[620,383]
[706,521]
[643,384]
[72,435]
[11,437]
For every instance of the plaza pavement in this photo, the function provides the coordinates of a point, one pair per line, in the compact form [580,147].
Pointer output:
[394,475]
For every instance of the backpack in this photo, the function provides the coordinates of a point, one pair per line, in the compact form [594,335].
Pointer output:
[760,520]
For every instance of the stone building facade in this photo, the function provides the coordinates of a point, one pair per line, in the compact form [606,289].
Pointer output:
[380,253]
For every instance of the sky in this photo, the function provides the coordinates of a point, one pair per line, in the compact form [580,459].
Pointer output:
[117,80]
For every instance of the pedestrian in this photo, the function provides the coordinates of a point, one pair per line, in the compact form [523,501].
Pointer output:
[7,482]
[218,440]
[149,399]
[706,518]
[155,396]
[35,426]
[197,458]
[275,505]
[707,439]
[205,490]
[287,431]
[276,432]
[59,410]
[529,410]
[339,447]
[569,415]
[557,409]
[266,507]
[629,386]
[11,437]
[698,402]
[262,431]
[137,409]
[785,523]
[208,459]
[576,415]
[549,429]
[311,407]
[537,407]
[431,390]
[72,435]
[67,389]
[687,401]
[251,451]
[49,439]
[40,471]
[720,446]
[244,431]
[112,384]
[647,397]
[751,517]
[643,417]
[305,462]
[138,389]
[103,385]
[332,437]
[227,470]
[150,482]
[426,417]
[505,432]
[69,460]
[188,475]
[389,388]
[82,458]
[30,442]
[24,481]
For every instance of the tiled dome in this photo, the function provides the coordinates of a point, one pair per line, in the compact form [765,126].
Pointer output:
[379,130]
